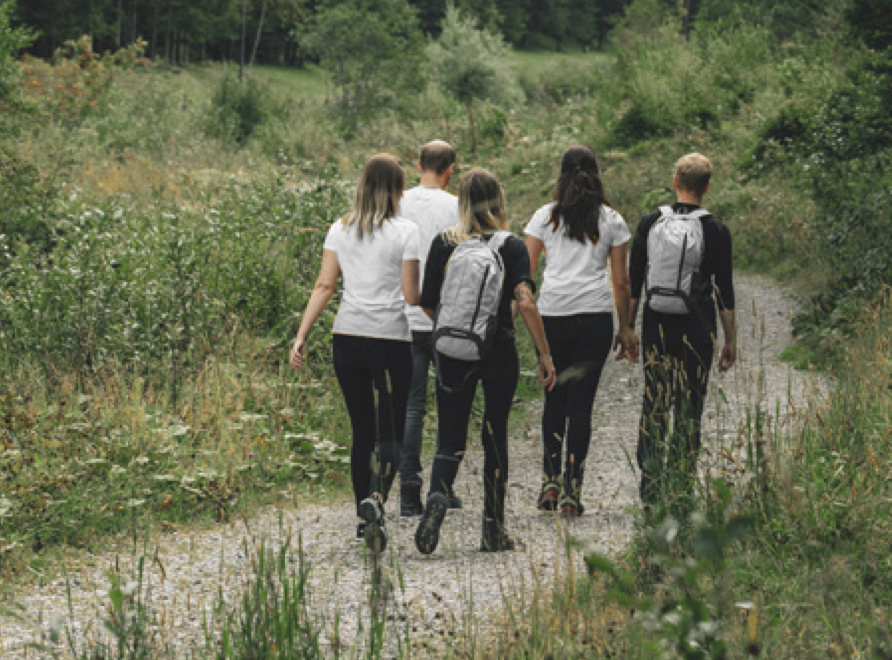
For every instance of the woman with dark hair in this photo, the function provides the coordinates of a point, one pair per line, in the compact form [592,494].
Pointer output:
[578,232]
[481,216]
[378,254]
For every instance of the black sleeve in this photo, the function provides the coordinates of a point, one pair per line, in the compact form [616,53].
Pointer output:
[434,269]
[517,266]
[724,268]
[638,257]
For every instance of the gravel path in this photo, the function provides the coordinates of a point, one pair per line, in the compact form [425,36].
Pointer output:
[457,591]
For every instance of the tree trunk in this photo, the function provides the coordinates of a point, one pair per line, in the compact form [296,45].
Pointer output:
[120,25]
[259,32]
[154,43]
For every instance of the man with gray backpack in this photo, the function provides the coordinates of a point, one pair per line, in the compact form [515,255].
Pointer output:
[682,258]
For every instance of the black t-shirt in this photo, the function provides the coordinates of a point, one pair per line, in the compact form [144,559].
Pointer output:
[517,269]
[716,271]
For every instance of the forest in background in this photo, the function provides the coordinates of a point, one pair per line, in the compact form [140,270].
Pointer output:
[138,391]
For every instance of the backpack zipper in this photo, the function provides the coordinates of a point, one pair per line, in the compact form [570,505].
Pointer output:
[479,298]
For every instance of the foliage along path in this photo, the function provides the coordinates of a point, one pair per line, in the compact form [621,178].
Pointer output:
[457,594]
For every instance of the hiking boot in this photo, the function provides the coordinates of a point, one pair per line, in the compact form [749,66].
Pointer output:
[427,536]
[410,501]
[549,496]
[571,507]
[454,500]
[372,512]
[494,538]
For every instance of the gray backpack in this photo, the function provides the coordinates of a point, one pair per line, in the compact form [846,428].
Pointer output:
[467,315]
[674,255]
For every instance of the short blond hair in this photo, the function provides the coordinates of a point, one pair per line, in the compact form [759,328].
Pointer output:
[693,173]
[436,156]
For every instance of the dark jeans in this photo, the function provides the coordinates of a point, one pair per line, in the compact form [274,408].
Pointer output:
[499,373]
[410,455]
[374,376]
[677,353]
[579,346]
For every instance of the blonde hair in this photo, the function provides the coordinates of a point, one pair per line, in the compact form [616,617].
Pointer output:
[377,195]
[693,173]
[481,204]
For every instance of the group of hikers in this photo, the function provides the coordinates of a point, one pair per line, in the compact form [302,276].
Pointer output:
[431,279]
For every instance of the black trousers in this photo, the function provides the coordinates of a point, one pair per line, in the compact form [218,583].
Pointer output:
[374,376]
[677,351]
[579,346]
[499,373]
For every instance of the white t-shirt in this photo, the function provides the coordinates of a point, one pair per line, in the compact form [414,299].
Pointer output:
[434,211]
[372,267]
[575,278]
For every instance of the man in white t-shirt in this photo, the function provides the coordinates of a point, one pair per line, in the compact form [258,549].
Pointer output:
[434,210]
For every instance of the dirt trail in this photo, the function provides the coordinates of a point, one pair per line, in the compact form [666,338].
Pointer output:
[456,590]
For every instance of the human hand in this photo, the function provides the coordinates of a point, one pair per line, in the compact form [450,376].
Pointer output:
[298,352]
[547,372]
[626,344]
[728,356]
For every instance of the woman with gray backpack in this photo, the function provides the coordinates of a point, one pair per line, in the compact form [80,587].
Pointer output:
[578,233]
[473,273]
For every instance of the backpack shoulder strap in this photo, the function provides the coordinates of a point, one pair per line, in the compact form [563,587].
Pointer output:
[498,239]
[666,211]
[700,213]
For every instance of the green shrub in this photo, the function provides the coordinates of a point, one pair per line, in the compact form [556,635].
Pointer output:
[12,40]
[139,287]
[237,109]
[29,202]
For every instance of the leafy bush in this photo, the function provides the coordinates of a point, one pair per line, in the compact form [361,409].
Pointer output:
[237,109]
[130,286]
[560,81]
[373,51]
[12,40]
[838,150]
[29,203]
[470,64]
[672,85]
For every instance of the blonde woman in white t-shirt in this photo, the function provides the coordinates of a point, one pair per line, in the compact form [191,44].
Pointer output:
[378,254]
[578,233]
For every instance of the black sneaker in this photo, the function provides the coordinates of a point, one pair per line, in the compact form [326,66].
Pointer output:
[549,496]
[427,536]
[372,512]
[410,501]
[454,500]
[571,507]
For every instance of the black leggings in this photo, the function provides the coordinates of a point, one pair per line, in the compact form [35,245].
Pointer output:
[579,346]
[677,353]
[374,376]
[499,373]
